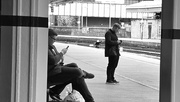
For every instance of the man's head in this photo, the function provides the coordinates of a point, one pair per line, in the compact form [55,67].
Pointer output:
[52,33]
[52,36]
[116,27]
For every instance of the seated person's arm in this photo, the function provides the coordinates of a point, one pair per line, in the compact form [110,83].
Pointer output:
[54,59]
[55,49]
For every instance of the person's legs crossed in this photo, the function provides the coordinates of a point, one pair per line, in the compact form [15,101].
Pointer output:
[80,85]
[85,73]
[74,76]
[64,78]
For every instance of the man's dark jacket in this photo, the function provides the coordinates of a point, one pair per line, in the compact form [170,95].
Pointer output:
[111,40]
[53,59]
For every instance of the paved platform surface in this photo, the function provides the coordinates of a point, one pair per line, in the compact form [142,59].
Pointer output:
[138,74]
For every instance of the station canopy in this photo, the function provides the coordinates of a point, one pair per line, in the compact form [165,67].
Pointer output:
[145,6]
[69,1]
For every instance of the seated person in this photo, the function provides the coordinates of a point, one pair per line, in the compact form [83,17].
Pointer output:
[61,75]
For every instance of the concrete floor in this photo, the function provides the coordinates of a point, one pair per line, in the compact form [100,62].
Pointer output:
[138,75]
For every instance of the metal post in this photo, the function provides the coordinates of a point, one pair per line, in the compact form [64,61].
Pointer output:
[142,26]
[109,15]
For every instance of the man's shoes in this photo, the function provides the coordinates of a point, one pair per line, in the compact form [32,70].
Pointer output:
[54,96]
[88,75]
[112,82]
[115,81]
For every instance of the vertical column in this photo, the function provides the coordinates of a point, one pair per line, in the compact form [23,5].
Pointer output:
[39,10]
[23,55]
[7,53]
[170,56]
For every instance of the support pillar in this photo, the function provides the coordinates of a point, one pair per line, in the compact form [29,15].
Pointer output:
[170,52]
[23,50]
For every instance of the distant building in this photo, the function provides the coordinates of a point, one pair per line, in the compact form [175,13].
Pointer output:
[94,18]
[126,2]
[146,27]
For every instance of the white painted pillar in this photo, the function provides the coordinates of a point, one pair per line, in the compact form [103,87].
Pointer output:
[170,52]
[23,50]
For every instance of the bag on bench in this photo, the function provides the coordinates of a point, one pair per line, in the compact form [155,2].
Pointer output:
[74,96]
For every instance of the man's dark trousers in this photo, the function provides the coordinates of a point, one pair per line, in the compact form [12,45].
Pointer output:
[113,62]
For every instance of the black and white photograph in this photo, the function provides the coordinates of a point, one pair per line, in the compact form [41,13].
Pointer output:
[89,51]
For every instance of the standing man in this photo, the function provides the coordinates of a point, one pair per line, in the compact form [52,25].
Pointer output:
[111,40]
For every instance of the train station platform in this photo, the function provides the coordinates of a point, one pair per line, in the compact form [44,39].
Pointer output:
[138,74]
[125,39]
[146,46]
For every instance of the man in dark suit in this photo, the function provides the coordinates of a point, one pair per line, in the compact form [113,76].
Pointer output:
[61,75]
[111,40]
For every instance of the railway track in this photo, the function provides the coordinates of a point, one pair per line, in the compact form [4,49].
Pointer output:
[132,46]
[144,51]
